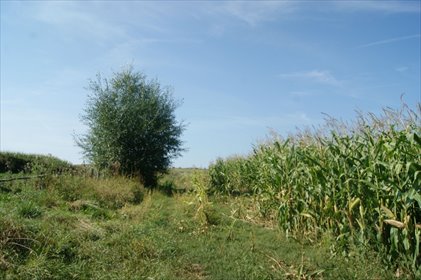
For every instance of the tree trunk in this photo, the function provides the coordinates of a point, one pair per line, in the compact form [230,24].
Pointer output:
[149,180]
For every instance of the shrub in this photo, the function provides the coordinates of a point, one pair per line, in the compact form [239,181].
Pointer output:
[132,129]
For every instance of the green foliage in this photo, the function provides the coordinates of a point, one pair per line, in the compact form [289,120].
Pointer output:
[230,175]
[361,182]
[132,126]
[29,163]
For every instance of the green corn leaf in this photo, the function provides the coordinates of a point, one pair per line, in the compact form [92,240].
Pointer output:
[417,197]
[398,168]
[353,203]
[417,246]
[406,244]
[417,139]
[361,224]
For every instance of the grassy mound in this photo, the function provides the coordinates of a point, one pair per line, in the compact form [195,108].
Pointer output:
[30,163]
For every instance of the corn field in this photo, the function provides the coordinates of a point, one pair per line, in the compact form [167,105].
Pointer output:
[360,181]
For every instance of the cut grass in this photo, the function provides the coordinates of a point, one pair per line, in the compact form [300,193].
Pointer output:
[161,238]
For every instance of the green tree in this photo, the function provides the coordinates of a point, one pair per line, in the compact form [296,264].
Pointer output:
[132,128]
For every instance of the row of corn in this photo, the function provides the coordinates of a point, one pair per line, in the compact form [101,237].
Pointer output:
[360,181]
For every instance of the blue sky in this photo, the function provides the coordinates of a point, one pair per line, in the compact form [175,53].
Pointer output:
[242,69]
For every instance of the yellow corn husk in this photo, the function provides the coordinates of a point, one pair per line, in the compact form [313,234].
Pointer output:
[394,223]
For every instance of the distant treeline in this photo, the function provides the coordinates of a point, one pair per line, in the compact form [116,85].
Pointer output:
[11,162]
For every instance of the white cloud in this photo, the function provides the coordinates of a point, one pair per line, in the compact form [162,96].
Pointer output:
[76,19]
[379,6]
[133,24]
[254,12]
[389,40]
[319,76]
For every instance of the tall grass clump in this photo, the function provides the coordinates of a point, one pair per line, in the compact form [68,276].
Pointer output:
[360,181]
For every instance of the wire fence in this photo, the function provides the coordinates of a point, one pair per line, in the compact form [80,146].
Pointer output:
[21,178]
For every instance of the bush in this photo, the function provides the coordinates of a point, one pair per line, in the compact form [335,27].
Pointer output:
[30,163]
[132,129]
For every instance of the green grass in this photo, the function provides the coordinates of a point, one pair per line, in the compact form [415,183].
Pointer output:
[180,179]
[83,228]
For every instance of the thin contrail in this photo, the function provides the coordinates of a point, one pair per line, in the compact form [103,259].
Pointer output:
[391,40]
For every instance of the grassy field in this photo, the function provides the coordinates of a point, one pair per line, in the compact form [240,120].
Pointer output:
[76,227]
[338,202]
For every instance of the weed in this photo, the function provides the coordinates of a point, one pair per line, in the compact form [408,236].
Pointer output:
[30,210]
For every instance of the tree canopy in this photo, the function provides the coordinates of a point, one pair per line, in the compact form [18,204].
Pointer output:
[132,127]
